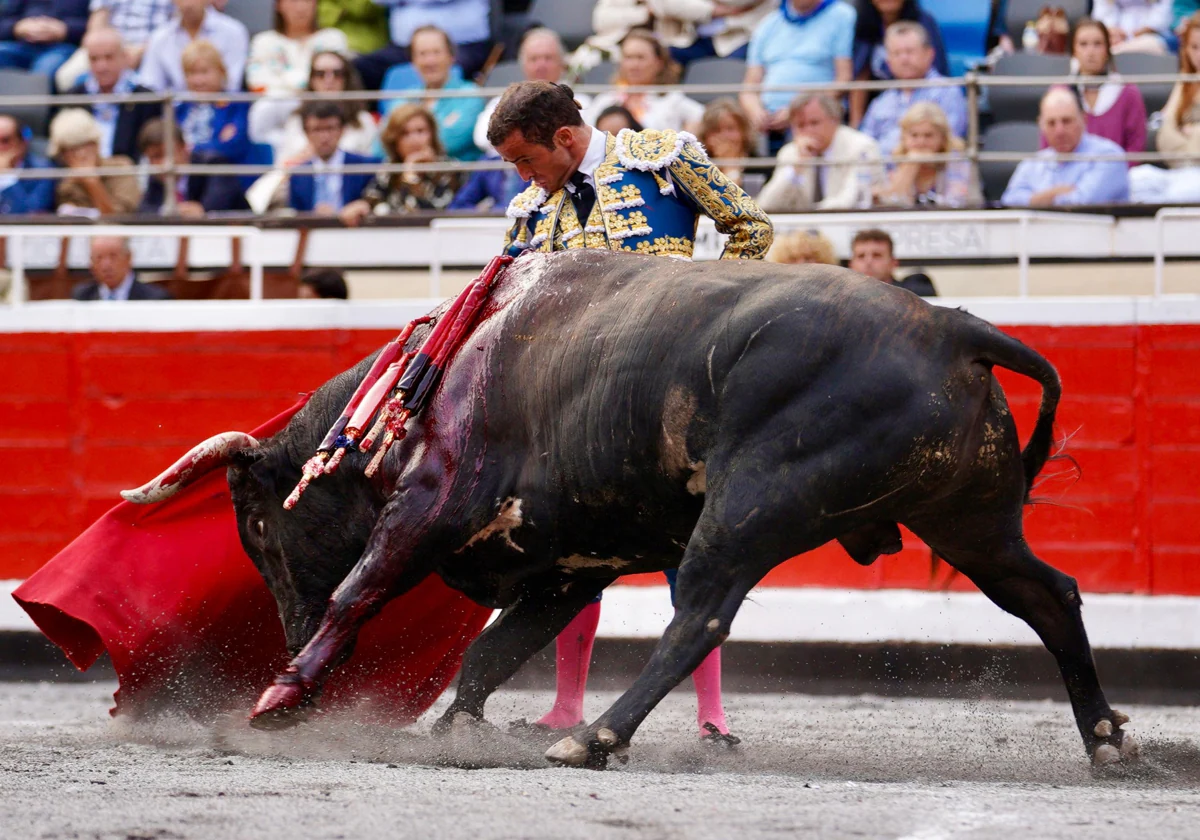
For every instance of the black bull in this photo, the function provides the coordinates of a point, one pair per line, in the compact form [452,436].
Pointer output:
[620,414]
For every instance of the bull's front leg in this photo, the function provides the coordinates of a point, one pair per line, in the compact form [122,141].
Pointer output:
[708,595]
[389,567]
[507,643]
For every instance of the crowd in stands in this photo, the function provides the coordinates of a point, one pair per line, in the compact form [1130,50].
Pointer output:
[817,150]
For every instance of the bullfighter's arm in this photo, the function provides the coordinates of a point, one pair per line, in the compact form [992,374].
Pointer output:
[735,213]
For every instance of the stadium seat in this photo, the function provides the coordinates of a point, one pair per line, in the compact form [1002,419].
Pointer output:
[571,19]
[504,74]
[601,74]
[964,25]
[1021,103]
[23,83]
[1132,64]
[1005,137]
[1021,12]
[257,15]
[714,71]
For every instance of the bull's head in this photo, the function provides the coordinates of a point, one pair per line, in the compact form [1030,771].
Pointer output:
[302,554]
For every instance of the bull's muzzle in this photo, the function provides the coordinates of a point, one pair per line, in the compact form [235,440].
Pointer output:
[214,453]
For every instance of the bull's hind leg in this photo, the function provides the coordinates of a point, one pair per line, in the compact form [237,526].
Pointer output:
[507,643]
[1004,568]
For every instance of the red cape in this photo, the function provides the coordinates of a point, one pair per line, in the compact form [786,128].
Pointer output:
[189,623]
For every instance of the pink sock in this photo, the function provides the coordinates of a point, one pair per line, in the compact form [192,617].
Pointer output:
[574,649]
[707,679]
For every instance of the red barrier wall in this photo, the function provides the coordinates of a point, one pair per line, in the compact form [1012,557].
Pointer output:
[83,415]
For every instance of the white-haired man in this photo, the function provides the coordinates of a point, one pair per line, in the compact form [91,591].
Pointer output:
[542,59]
[1045,181]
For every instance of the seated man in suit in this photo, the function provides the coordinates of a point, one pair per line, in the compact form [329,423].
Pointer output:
[328,190]
[195,195]
[112,274]
[827,166]
[108,72]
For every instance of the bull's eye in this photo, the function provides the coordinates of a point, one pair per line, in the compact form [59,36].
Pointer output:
[260,526]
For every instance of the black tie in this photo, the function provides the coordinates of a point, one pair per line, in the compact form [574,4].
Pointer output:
[584,197]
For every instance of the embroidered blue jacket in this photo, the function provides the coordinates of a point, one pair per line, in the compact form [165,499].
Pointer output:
[650,192]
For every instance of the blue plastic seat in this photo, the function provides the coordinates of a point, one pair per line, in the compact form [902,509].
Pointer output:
[964,25]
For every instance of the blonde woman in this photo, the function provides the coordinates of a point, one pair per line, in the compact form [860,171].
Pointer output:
[725,131]
[75,144]
[924,130]
[1179,134]
[801,247]
[645,61]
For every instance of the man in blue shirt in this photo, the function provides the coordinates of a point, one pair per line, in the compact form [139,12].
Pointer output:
[910,55]
[1044,181]
[162,63]
[806,41]
[19,196]
[465,21]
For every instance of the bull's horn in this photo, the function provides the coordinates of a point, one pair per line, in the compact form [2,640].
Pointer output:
[216,452]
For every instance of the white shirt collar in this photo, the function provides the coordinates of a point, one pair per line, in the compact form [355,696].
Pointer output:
[119,293]
[594,156]
[334,163]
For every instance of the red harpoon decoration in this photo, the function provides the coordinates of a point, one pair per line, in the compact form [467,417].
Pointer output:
[421,371]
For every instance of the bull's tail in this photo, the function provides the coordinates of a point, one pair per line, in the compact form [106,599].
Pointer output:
[994,347]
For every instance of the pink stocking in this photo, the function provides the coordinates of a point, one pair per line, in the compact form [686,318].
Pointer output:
[574,648]
[707,679]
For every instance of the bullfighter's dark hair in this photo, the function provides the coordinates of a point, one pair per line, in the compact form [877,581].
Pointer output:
[327,283]
[322,110]
[874,235]
[537,110]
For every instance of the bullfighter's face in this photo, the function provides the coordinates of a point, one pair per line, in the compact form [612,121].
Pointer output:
[549,168]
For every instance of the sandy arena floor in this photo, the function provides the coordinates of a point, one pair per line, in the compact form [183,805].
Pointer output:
[808,767]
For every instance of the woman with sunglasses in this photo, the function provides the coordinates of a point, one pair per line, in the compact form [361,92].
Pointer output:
[274,120]
[280,58]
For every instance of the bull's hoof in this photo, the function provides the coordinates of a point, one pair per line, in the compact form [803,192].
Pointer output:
[1113,746]
[458,721]
[569,752]
[284,704]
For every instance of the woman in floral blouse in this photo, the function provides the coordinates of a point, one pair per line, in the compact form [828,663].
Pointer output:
[409,136]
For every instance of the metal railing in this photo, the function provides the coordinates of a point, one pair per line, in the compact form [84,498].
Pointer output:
[973,83]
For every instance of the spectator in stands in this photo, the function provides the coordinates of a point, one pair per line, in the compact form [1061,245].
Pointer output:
[75,144]
[409,136]
[875,17]
[463,23]
[801,247]
[276,120]
[109,73]
[924,130]
[433,58]
[707,28]
[1114,110]
[803,42]
[219,129]
[323,283]
[725,131]
[364,23]
[542,59]
[873,253]
[330,189]
[39,35]
[1179,134]
[281,58]
[1043,181]
[843,164]
[1138,25]
[1181,10]
[136,20]
[20,196]
[616,118]
[195,195]
[489,189]
[162,63]
[112,274]
[645,61]
[910,57]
